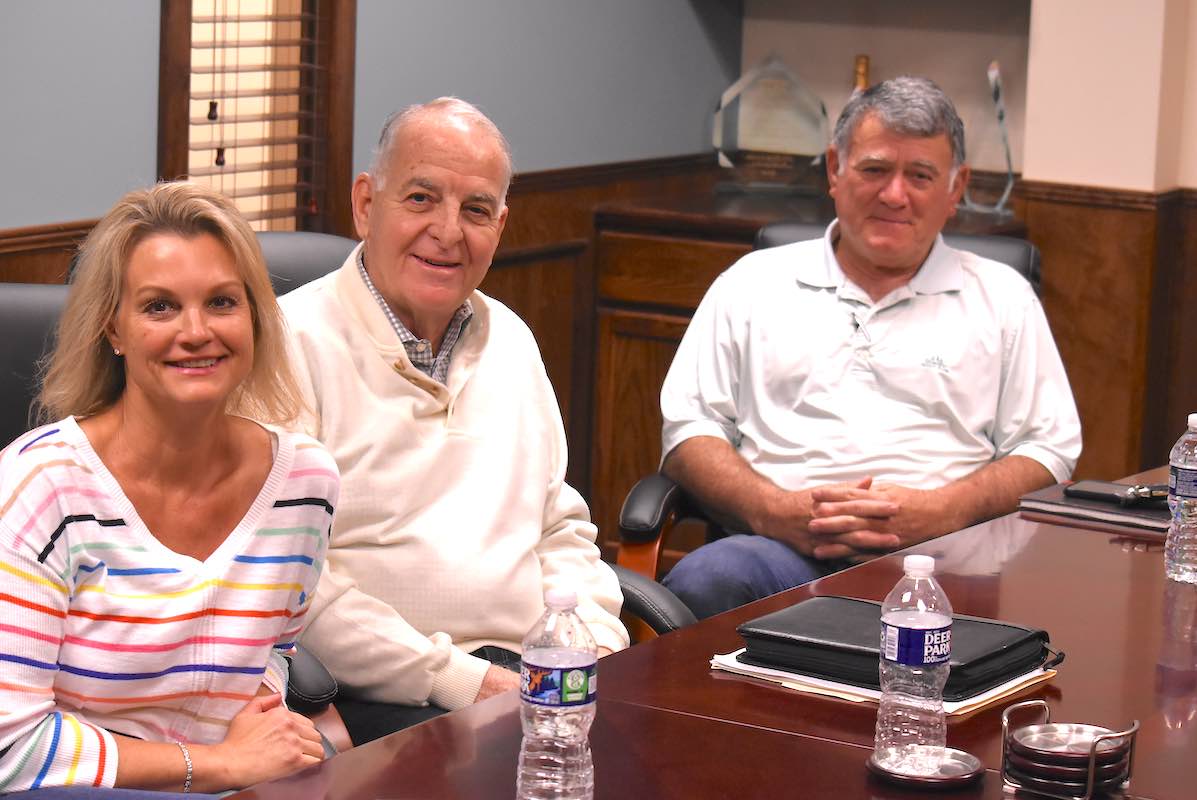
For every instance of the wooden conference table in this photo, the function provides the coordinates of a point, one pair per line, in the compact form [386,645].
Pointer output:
[668,726]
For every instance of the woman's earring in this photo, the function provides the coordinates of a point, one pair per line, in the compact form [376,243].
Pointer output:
[116,351]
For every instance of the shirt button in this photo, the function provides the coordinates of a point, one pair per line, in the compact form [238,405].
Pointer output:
[421,347]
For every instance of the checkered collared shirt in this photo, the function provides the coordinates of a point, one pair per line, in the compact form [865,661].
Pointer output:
[435,366]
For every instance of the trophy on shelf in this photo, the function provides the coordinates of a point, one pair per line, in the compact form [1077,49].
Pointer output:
[771,131]
[998,209]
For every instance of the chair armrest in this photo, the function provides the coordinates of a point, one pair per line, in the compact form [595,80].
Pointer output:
[648,506]
[310,686]
[651,602]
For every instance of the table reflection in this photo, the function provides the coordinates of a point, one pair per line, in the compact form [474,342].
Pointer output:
[987,555]
[1176,670]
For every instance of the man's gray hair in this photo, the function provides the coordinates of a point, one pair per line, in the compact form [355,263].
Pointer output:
[446,106]
[906,105]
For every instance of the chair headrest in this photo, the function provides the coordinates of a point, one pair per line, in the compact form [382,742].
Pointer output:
[28,314]
[295,257]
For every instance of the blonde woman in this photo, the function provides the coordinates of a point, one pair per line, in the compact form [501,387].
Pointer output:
[158,546]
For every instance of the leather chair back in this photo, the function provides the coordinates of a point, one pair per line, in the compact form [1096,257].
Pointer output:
[292,257]
[28,315]
[1016,253]
[295,257]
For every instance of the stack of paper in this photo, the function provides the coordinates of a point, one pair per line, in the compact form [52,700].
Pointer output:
[804,683]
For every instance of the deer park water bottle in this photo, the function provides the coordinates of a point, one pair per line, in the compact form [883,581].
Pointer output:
[1180,549]
[557,693]
[916,644]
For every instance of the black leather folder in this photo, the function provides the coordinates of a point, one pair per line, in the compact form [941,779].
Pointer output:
[839,638]
[1057,501]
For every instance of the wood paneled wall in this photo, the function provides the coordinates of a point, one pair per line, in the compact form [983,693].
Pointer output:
[1172,370]
[1110,260]
[40,254]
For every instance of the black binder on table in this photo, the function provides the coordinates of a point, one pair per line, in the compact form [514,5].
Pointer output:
[1053,500]
[839,638]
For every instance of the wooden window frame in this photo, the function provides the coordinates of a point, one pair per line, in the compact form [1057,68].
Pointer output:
[338,19]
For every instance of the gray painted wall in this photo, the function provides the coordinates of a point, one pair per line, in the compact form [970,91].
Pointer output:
[569,82]
[78,106]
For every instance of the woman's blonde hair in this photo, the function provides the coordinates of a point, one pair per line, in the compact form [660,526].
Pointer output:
[82,376]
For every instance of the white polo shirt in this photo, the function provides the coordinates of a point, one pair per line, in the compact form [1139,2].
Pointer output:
[813,382]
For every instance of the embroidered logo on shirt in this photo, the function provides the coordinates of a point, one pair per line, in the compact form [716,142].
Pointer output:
[936,363]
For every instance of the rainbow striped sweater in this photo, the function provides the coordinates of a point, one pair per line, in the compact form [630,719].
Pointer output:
[104,629]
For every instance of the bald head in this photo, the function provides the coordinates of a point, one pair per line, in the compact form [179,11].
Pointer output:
[450,111]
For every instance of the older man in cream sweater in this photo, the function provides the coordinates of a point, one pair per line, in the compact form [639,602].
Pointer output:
[454,516]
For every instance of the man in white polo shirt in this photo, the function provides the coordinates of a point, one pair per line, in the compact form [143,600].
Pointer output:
[844,397]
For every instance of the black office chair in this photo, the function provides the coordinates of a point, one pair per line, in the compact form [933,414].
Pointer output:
[295,257]
[28,315]
[656,504]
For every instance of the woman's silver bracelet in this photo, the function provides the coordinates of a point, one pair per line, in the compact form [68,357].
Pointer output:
[187,758]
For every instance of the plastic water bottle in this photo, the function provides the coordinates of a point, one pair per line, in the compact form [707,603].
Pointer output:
[1180,550]
[916,644]
[558,682]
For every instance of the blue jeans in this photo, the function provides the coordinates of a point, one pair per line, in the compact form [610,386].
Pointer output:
[740,568]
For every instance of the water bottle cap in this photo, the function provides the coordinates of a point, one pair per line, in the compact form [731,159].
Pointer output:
[561,598]
[918,566]
[1193,421]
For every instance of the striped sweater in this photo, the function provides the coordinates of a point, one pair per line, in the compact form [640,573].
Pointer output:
[103,628]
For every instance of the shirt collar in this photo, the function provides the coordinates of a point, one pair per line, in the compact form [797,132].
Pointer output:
[941,272]
[823,273]
[457,323]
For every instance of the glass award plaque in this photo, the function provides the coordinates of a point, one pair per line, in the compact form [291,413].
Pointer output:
[999,208]
[771,131]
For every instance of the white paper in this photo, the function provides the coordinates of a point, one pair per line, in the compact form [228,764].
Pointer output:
[727,662]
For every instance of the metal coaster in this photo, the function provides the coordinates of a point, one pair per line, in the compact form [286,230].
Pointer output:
[1058,747]
[956,768]
[1057,772]
[1067,744]
[1058,787]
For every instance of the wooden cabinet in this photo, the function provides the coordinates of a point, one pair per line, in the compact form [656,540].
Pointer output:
[652,270]
[654,261]
[635,349]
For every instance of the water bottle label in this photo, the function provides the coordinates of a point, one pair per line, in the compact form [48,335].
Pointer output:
[916,647]
[1182,482]
[558,686]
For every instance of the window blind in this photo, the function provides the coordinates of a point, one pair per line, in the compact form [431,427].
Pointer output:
[255,109]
